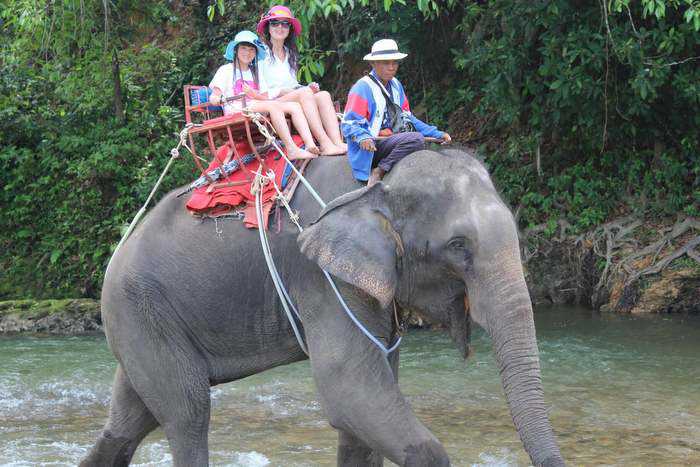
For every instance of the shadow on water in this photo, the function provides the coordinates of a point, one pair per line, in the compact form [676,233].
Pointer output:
[622,390]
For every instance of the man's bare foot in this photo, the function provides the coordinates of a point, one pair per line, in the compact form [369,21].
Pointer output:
[298,153]
[333,150]
[375,176]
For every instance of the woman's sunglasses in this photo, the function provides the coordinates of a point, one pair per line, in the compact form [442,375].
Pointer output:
[282,23]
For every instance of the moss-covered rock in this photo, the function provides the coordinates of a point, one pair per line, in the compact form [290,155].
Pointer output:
[62,317]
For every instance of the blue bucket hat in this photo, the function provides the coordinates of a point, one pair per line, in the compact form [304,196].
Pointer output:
[247,37]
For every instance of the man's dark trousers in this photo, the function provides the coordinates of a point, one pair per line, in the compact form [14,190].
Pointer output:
[395,148]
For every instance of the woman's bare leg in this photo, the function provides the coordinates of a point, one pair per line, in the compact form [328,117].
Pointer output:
[279,122]
[293,109]
[305,97]
[324,102]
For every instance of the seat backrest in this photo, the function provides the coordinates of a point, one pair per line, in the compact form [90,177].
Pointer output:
[197,106]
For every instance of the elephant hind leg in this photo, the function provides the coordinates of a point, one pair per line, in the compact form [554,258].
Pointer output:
[129,422]
[173,383]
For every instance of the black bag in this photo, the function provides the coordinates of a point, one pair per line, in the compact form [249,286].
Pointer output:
[394,116]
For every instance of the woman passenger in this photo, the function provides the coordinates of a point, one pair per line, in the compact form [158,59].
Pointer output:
[279,70]
[242,76]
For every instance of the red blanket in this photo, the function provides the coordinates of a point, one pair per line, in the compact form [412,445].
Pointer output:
[234,190]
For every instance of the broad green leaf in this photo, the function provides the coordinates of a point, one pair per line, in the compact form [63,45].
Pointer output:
[55,254]
[660,9]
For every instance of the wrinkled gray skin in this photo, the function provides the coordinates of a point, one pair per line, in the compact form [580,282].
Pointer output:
[189,304]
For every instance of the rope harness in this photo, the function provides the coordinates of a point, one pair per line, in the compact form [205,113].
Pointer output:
[260,180]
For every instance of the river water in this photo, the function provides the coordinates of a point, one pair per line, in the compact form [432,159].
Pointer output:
[621,390]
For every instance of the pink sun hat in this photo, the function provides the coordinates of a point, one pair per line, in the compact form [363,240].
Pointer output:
[279,12]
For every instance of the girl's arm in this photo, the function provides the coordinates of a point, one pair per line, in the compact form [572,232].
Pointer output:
[216,96]
[284,91]
[254,94]
[265,92]
[218,83]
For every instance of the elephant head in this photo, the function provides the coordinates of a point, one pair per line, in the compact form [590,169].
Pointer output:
[434,235]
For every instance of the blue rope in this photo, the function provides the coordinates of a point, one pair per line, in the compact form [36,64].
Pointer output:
[351,315]
[284,296]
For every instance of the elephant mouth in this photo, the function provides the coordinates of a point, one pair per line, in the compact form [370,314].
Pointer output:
[460,328]
[468,349]
[453,317]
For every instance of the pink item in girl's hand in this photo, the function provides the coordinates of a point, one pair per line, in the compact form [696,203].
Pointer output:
[238,86]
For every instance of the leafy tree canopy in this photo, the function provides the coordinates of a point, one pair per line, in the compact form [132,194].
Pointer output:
[583,110]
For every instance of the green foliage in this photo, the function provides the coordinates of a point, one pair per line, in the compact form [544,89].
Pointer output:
[73,172]
[582,110]
[613,110]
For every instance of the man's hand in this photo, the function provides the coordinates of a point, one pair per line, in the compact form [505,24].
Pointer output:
[446,139]
[368,145]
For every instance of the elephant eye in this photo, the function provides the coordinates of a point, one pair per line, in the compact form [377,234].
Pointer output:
[457,243]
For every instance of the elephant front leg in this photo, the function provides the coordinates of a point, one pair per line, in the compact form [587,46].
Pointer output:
[361,397]
[354,453]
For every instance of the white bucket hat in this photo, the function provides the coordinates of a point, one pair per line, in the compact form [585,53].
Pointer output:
[385,49]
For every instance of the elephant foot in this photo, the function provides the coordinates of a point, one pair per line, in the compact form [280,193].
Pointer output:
[354,453]
[356,456]
[428,453]
[109,450]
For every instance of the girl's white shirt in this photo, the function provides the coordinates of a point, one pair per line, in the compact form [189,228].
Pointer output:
[224,80]
[278,74]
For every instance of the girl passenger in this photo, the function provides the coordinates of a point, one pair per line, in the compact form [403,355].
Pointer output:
[242,76]
[278,29]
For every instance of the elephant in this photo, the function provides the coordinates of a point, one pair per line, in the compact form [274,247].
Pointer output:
[189,303]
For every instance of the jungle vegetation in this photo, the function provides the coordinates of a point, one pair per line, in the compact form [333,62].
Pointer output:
[584,110]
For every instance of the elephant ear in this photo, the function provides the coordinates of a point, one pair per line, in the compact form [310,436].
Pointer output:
[353,240]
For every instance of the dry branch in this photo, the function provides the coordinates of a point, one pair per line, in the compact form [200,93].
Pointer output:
[614,243]
[660,265]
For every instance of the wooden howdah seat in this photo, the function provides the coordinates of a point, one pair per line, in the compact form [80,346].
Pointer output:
[230,137]
[209,121]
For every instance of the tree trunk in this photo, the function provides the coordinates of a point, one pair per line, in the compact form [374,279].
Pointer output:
[118,97]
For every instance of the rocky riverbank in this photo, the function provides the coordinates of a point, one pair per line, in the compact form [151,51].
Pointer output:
[57,317]
[625,266]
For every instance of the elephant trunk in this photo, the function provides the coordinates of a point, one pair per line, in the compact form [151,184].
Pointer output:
[516,353]
[506,312]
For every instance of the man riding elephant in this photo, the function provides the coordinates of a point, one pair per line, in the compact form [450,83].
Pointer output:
[377,106]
